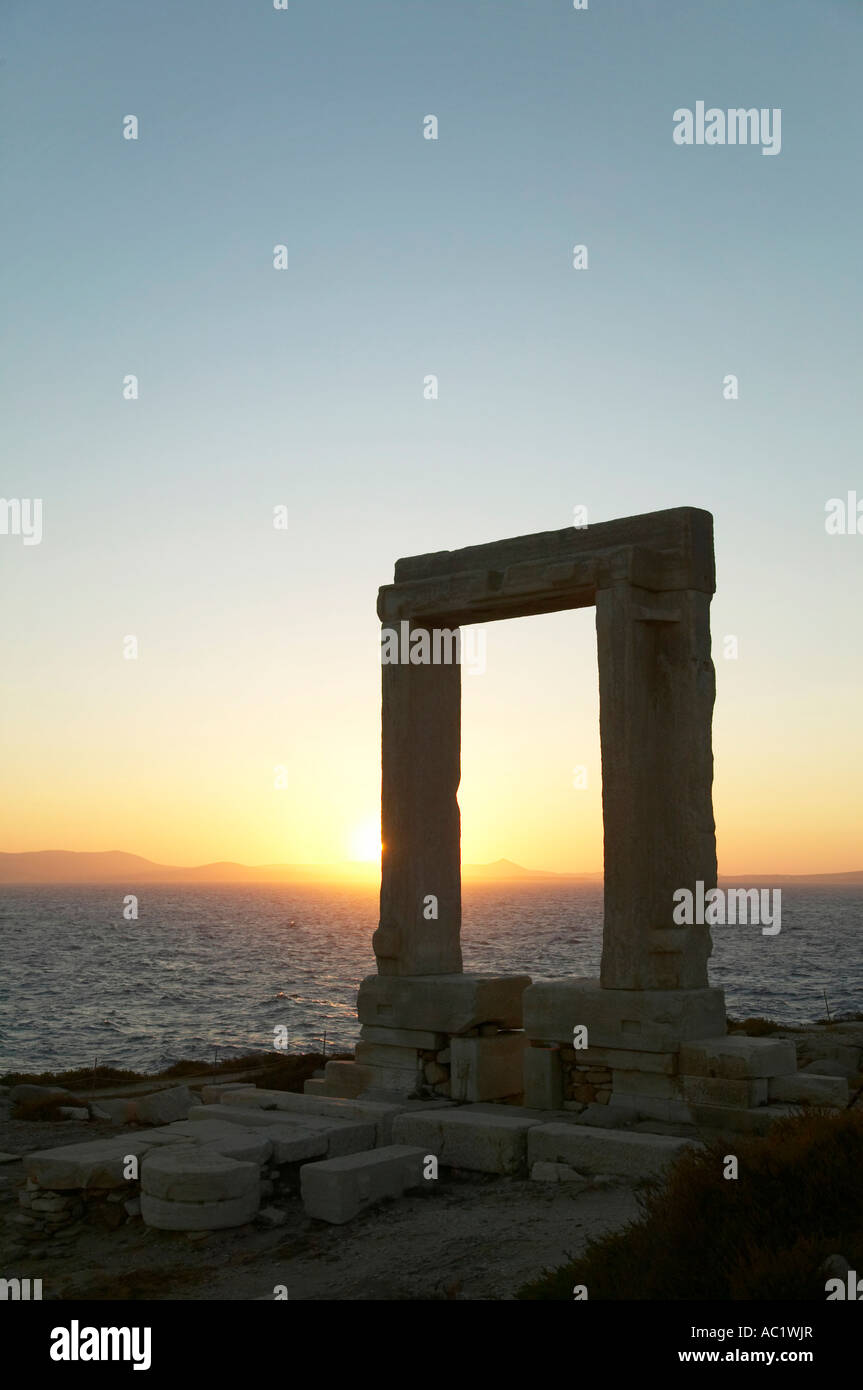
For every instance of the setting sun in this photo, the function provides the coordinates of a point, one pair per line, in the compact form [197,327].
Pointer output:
[366,842]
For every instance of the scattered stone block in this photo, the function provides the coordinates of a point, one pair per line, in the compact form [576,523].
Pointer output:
[338,1189]
[197,1175]
[556,1172]
[823,1066]
[232,1141]
[737,1057]
[343,1136]
[213,1093]
[121,1110]
[809,1088]
[738,1120]
[593,1151]
[296,1143]
[198,1216]
[95,1164]
[381,1114]
[669,1111]
[26,1092]
[721,1090]
[487,1068]
[482,1143]
[73,1112]
[162,1107]
[606,1115]
[271,1217]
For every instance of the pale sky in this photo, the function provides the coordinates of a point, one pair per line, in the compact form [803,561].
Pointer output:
[258,648]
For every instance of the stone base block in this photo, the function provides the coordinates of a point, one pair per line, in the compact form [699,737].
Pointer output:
[245,1145]
[635,1020]
[403,1037]
[623,1059]
[343,1135]
[543,1078]
[807,1088]
[738,1119]
[667,1109]
[198,1216]
[487,1068]
[298,1107]
[720,1090]
[95,1164]
[441,1003]
[340,1188]
[212,1094]
[346,1078]
[394,1081]
[604,1150]
[481,1143]
[738,1057]
[197,1175]
[556,1172]
[380,1055]
[648,1083]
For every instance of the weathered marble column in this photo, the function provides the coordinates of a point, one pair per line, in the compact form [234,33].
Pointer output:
[657,688]
[420,919]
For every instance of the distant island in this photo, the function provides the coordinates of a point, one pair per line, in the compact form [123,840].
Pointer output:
[116,866]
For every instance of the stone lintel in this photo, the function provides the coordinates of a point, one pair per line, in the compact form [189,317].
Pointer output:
[688,530]
[542,585]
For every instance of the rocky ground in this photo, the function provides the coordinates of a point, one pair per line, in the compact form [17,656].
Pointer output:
[466,1236]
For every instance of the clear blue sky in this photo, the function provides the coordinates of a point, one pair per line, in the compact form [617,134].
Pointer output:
[304,387]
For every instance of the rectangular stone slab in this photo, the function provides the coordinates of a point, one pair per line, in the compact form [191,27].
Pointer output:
[290,1103]
[382,1055]
[342,1135]
[404,1037]
[737,1057]
[97,1163]
[724,1090]
[479,1142]
[442,1003]
[341,1188]
[604,1150]
[809,1088]
[633,1019]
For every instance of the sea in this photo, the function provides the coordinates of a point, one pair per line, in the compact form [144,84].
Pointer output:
[212,972]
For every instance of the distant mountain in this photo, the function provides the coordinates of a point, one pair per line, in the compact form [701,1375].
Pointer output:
[506,869]
[115,866]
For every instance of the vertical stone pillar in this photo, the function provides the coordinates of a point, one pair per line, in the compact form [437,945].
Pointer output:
[657,688]
[420,822]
